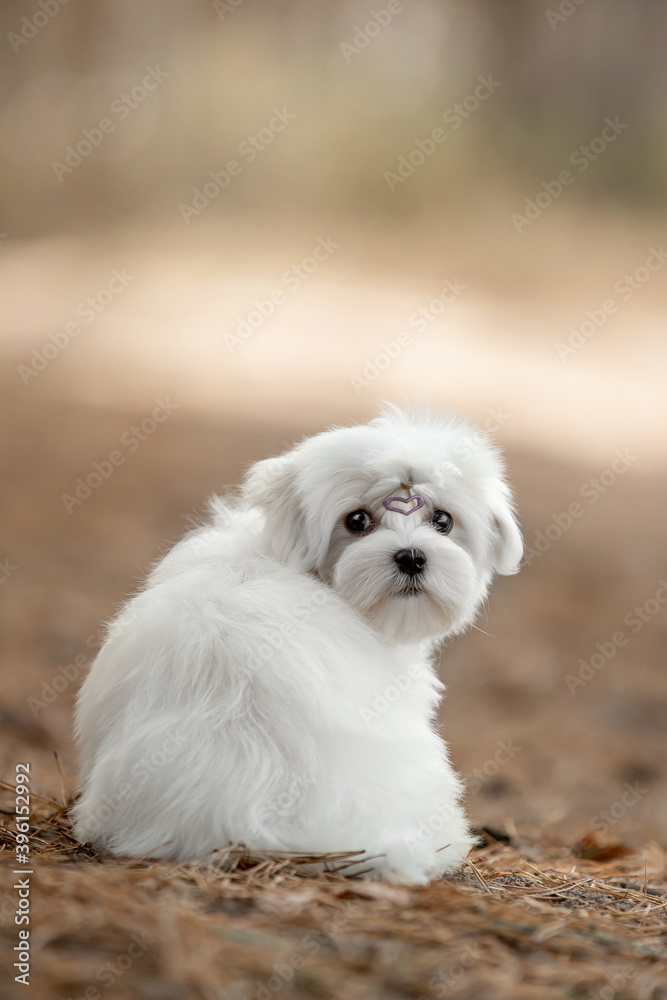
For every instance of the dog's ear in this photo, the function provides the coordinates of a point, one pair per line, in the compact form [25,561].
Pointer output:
[269,481]
[272,486]
[508,543]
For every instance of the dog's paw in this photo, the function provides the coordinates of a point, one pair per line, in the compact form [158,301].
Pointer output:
[409,860]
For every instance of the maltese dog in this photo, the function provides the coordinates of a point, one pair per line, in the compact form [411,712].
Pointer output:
[273,685]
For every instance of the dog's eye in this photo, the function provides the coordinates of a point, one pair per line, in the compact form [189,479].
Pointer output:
[443,521]
[358,520]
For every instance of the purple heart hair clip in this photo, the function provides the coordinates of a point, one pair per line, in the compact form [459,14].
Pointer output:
[404,505]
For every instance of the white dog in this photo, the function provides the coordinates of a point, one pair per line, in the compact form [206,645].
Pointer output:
[273,684]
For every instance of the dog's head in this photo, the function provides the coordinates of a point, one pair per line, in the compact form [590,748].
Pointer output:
[406,518]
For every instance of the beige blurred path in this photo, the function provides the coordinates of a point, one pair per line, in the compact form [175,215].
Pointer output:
[363,323]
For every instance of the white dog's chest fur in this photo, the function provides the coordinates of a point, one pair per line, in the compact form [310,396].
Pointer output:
[240,699]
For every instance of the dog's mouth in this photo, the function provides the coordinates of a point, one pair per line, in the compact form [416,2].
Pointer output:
[411,589]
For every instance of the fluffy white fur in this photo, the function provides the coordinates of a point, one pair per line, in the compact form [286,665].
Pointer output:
[273,685]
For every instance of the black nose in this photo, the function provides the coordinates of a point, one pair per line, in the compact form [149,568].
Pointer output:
[410,561]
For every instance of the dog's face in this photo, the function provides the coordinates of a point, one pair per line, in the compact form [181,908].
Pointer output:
[406,518]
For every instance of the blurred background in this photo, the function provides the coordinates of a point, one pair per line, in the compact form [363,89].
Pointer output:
[226,225]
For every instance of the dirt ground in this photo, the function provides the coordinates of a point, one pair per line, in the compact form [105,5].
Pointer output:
[582,713]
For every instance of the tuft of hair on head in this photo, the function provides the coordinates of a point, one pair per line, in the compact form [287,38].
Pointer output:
[418,411]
